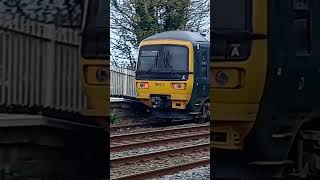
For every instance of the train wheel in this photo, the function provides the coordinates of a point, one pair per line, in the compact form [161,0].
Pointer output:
[205,113]
[309,153]
[306,155]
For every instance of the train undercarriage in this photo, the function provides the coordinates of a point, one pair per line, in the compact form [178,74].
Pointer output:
[161,110]
[302,161]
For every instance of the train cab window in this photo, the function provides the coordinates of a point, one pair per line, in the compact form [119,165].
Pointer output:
[163,58]
[165,62]
[230,30]
[302,33]
[149,57]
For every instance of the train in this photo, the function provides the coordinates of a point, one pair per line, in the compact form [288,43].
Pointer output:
[265,95]
[95,60]
[173,76]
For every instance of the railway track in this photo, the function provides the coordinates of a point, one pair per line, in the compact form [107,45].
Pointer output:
[160,162]
[158,154]
[164,171]
[149,138]
[114,128]
[145,159]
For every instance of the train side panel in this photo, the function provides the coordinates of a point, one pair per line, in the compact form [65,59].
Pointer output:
[236,100]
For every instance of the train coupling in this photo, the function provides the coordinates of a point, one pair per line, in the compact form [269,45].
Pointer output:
[161,101]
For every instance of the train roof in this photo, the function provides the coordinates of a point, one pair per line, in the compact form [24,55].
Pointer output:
[179,35]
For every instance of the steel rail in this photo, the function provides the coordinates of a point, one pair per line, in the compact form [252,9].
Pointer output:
[152,132]
[164,171]
[152,142]
[158,154]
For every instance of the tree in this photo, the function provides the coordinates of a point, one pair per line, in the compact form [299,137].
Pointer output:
[134,20]
[199,15]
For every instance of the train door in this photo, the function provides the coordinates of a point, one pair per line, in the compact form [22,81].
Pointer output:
[287,79]
[298,61]
[301,50]
[292,54]
[202,82]
[289,53]
[315,44]
[281,65]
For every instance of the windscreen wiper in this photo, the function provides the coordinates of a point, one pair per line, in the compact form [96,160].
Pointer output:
[166,63]
[154,63]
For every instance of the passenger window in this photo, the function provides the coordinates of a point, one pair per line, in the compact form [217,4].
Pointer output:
[302,28]
[303,37]
[204,72]
[204,62]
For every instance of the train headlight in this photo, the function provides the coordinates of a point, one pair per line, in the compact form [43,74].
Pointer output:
[142,85]
[227,78]
[102,75]
[179,86]
[222,78]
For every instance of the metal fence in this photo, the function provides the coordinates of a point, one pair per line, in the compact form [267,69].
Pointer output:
[122,82]
[39,66]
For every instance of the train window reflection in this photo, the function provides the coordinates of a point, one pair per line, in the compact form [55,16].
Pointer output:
[163,58]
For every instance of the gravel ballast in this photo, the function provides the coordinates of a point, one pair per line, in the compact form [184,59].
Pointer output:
[145,165]
[200,173]
[129,121]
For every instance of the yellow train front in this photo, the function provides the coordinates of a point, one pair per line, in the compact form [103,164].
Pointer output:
[94,60]
[172,76]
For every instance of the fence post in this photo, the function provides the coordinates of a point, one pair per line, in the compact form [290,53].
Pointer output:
[125,82]
[49,67]
[122,82]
